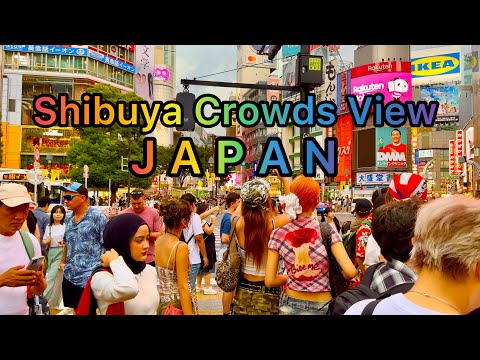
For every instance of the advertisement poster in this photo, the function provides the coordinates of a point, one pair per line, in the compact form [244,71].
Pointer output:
[391,145]
[447,96]
[393,86]
[144,61]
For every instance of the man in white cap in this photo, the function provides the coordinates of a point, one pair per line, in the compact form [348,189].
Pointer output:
[14,278]
[83,245]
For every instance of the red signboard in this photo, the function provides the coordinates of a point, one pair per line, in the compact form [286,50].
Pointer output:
[451,157]
[381,67]
[345,147]
[459,141]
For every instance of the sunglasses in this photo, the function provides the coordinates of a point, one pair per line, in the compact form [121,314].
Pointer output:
[69,197]
[136,193]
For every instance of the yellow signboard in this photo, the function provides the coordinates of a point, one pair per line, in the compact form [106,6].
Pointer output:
[315,64]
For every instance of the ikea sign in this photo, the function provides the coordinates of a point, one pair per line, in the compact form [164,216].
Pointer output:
[444,64]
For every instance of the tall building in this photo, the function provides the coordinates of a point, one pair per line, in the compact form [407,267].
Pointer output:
[31,70]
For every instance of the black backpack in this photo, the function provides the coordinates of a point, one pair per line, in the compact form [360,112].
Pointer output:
[340,304]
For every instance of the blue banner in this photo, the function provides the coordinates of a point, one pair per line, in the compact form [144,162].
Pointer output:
[47,49]
[111,61]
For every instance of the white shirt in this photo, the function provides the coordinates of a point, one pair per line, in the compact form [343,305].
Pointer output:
[139,292]
[372,251]
[13,300]
[396,304]
[56,232]
[195,228]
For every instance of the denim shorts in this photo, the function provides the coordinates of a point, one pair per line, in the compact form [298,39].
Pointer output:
[292,306]
[192,275]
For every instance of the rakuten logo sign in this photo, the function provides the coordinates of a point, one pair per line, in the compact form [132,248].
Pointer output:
[393,85]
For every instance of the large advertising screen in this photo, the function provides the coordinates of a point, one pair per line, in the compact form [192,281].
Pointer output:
[448,98]
[391,145]
[393,86]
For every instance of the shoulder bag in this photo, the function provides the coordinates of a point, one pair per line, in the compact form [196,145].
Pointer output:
[37,304]
[228,269]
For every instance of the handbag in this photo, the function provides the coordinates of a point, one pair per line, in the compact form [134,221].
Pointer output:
[228,269]
[171,309]
[338,284]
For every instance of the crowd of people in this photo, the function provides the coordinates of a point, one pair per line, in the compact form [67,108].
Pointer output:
[145,259]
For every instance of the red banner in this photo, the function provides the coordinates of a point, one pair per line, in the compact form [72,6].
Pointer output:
[381,67]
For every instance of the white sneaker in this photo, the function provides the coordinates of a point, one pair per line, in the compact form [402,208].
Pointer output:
[210,291]
[199,289]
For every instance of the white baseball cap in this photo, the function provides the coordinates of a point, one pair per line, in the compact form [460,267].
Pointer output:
[13,195]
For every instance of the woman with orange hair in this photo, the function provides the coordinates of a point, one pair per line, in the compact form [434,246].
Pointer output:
[300,245]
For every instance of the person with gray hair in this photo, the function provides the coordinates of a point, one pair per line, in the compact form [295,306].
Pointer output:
[446,257]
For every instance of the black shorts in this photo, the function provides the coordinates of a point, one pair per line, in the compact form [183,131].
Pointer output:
[71,294]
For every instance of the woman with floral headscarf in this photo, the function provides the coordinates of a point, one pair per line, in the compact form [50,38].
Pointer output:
[132,281]
[301,248]
[252,231]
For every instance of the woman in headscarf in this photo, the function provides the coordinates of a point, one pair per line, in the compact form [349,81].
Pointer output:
[132,281]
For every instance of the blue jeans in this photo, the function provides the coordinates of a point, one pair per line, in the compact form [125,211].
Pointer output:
[192,276]
[292,306]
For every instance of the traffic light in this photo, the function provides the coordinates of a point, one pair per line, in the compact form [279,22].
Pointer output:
[274,49]
[186,99]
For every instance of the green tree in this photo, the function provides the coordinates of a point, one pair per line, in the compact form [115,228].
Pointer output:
[102,149]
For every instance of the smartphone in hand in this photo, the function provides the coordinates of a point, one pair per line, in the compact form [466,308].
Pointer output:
[35,263]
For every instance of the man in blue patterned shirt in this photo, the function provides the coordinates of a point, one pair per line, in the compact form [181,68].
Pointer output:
[83,242]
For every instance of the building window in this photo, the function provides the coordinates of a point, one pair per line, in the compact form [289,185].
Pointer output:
[11,105]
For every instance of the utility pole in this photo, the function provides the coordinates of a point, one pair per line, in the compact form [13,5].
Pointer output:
[129,154]
[304,90]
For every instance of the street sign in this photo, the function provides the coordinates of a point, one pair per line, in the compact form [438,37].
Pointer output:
[35,180]
[417,156]
[36,154]
[85,169]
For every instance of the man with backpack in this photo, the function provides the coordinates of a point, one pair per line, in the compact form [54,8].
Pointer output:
[14,253]
[392,227]
[355,239]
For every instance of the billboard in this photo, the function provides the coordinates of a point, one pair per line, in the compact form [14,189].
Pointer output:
[436,65]
[394,86]
[345,147]
[447,96]
[391,146]
[343,88]
[289,77]
[469,143]
[144,72]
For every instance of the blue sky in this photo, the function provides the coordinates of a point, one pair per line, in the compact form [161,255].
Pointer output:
[218,63]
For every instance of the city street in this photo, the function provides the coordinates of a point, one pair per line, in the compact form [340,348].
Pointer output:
[212,304]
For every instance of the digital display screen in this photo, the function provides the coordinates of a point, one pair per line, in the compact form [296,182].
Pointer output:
[14,176]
